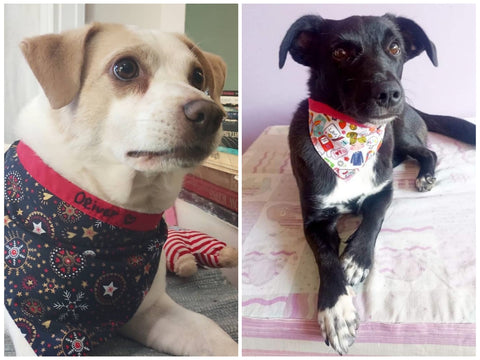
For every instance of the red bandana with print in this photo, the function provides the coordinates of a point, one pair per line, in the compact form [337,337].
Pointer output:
[345,145]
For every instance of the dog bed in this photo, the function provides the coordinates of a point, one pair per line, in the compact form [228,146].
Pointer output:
[207,292]
[419,298]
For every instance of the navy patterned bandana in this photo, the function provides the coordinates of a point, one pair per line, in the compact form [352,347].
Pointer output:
[76,267]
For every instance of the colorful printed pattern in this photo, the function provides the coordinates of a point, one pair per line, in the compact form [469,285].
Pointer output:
[71,279]
[343,144]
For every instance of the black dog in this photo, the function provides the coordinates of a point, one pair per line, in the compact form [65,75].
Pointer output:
[356,101]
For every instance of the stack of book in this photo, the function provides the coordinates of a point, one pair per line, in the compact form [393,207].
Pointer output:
[213,186]
[229,142]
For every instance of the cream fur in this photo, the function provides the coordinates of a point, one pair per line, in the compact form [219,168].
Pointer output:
[186,265]
[228,256]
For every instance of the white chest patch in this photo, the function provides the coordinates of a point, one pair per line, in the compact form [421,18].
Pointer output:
[359,186]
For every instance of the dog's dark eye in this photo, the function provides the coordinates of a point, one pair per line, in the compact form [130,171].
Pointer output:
[340,54]
[125,69]
[196,79]
[394,49]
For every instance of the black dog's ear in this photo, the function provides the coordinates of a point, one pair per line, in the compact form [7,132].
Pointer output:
[299,39]
[415,39]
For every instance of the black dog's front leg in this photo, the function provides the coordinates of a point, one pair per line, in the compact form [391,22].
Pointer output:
[410,140]
[337,316]
[357,259]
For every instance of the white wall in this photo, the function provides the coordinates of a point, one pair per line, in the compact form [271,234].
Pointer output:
[166,17]
[23,21]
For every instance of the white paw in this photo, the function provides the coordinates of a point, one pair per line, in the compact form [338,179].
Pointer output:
[339,323]
[425,183]
[354,273]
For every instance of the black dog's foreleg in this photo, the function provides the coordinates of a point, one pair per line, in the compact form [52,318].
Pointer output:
[357,259]
[410,140]
[337,316]
[324,241]
[428,161]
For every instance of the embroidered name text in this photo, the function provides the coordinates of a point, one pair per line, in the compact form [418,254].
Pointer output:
[88,203]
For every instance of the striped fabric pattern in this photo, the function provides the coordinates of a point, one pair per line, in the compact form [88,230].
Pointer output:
[204,248]
[297,337]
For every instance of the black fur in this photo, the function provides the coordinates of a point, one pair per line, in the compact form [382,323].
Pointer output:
[364,83]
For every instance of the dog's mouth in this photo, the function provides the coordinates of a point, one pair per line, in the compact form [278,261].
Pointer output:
[150,154]
[379,121]
[370,112]
[373,116]
[181,156]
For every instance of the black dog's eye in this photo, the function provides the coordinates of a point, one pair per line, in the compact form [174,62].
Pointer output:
[394,49]
[340,54]
[125,69]
[196,79]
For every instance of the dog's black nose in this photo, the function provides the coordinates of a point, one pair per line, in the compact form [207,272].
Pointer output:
[387,94]
[203,112]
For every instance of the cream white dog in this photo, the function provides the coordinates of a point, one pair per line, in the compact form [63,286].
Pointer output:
[125,114]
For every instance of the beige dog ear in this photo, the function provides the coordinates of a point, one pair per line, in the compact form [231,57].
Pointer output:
[214,67]
[219,70]
[56,61]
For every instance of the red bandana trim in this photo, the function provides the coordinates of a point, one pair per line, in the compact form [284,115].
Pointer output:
[82,200]
[319,107]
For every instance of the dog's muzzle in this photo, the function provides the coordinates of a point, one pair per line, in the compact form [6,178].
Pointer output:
[387,94]
[204,114]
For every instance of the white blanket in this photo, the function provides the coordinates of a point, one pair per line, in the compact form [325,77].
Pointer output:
[424,270]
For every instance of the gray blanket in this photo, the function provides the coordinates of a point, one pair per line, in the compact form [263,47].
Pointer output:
[207,292]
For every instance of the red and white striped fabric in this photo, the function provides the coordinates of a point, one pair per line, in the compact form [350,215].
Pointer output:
[181,242]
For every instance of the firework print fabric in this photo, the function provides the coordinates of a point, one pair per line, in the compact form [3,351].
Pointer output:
[76,268]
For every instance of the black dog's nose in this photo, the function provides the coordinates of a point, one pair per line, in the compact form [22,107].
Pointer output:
[203,112]
[387,94]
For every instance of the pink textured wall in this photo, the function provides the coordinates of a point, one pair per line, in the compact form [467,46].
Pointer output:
[270,95]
